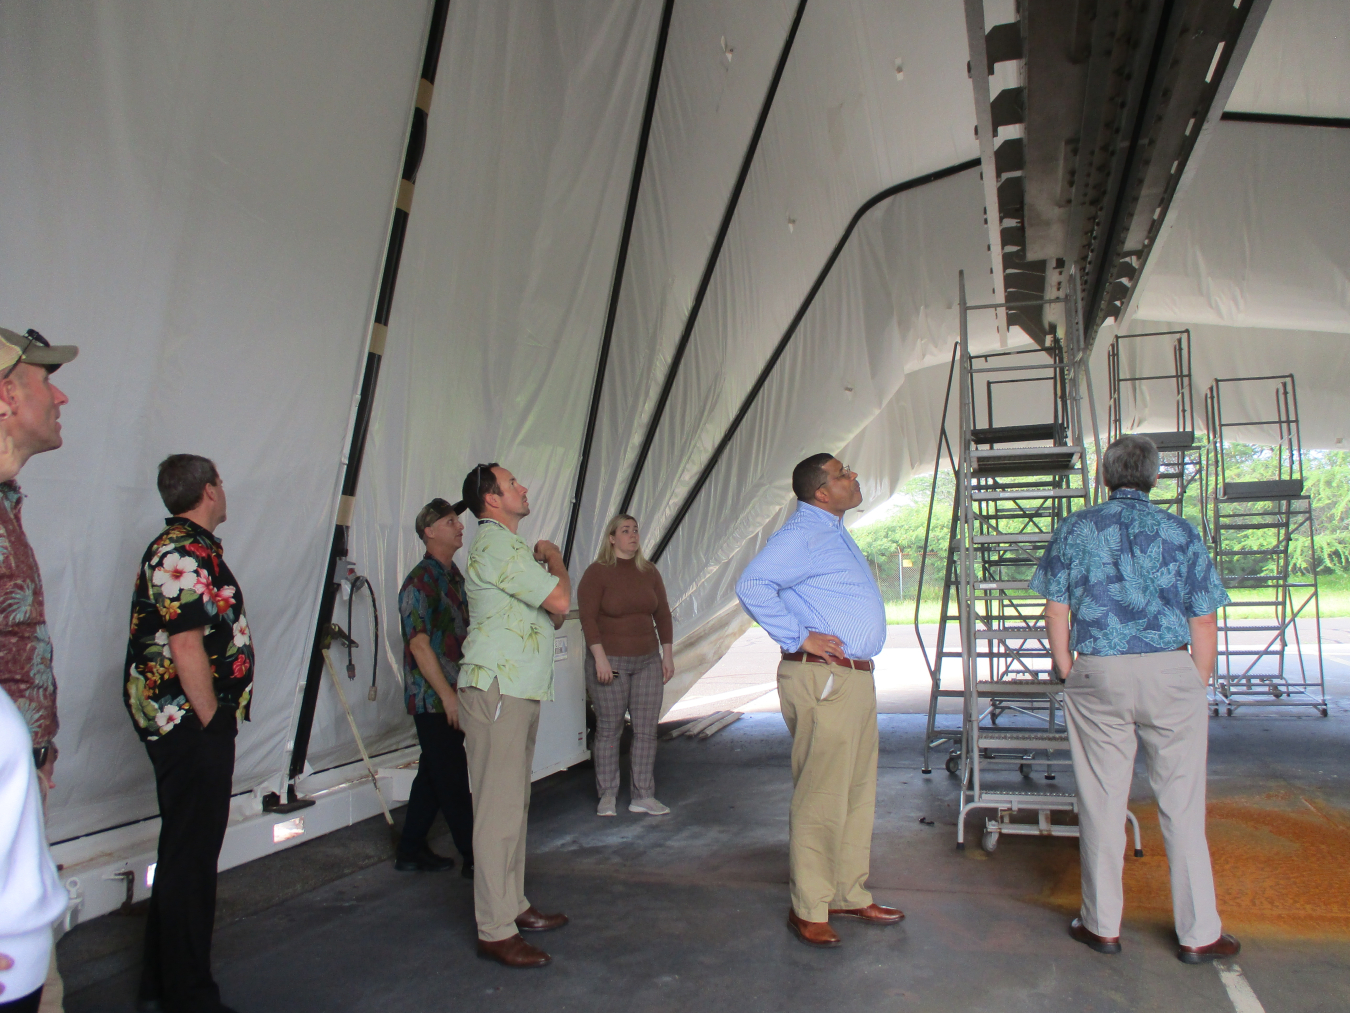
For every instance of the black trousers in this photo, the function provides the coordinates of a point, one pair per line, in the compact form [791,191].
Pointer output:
[27,1004]
[194,767]
[442,782]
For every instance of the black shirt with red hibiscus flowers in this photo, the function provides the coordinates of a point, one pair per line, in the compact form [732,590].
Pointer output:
[184,584]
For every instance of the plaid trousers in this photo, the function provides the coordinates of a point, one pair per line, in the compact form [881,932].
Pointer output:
[637,689]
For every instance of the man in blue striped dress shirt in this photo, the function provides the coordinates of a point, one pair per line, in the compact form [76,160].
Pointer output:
[813,592]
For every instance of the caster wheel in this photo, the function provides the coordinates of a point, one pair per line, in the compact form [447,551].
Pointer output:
[953,764]
[1323,710]
[1050,777]
[990,841]
[1228,711]
[960,845]
[1138,852]
[925,770]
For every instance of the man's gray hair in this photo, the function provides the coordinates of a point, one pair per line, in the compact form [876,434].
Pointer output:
[1131,462]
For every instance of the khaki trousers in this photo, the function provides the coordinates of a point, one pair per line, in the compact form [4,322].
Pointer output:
[1157,700]
[500,746]
[834,774]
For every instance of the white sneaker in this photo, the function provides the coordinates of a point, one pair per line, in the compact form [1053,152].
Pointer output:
[649,806]
[607,806]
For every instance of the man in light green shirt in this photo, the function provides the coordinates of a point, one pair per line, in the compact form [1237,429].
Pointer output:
[517,597]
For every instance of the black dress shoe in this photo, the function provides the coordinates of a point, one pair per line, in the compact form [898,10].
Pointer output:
[425,860]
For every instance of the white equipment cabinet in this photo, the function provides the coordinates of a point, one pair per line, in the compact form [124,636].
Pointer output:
[562,720]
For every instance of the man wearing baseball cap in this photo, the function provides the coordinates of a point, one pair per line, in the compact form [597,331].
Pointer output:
[434,615]
[31,405]
[30,423]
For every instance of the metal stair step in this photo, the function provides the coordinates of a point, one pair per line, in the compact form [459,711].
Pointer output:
[1023,740]
[1021,538]
[1032,633]
[1287,488]
[1030,494]
[1171,442]
[1030,800]
[1018,434]
[1018,687]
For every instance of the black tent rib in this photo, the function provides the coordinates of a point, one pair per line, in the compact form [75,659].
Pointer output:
[1281,119]
[620,262]
[783,342]
[713,256]
[370,378]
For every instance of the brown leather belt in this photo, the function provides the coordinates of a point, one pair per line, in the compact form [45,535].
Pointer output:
[816,659]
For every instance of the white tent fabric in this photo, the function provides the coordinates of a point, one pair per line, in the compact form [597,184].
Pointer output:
[842,128]
[1319,361]
[200,197]
[504,285]
[1298,63]
[1260,239]
[197,194]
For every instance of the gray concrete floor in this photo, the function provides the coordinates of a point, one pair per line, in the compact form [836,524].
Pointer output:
[687,911]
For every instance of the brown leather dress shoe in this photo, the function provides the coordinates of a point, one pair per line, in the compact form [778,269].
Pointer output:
[813,933]
[513,952]
[534,920]
[1102,944]
[877,914]
[1224,946]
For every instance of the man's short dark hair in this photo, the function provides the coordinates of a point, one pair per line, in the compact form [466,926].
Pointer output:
[478,484]
[434,511]
[183,479]
[1131,462]
[810,475]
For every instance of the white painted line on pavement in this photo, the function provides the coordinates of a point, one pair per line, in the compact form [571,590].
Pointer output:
[1240,993]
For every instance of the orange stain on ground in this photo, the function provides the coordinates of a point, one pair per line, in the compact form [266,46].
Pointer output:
[1281,868]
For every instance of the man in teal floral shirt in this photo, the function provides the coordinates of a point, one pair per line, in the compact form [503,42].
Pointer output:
[1128,588]
[188,682]
[435,619]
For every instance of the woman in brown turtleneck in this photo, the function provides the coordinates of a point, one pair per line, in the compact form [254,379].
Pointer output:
[626,619]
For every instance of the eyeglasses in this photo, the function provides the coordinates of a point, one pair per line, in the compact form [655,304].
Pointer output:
[32,336]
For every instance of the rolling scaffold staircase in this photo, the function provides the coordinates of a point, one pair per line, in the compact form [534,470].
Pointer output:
[1014,484]
[1261,533]
[1180,450]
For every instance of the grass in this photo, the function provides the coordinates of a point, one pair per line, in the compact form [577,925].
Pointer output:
[1333,594]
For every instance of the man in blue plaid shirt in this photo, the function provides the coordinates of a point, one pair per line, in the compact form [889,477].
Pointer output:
[1140,587]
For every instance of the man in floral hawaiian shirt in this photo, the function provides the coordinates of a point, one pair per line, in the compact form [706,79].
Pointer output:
[31,404]
[515,604]
[189,678]
[1140,587]
[435,619]
[30,423]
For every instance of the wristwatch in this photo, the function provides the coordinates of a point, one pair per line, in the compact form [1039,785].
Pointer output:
[40,755]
